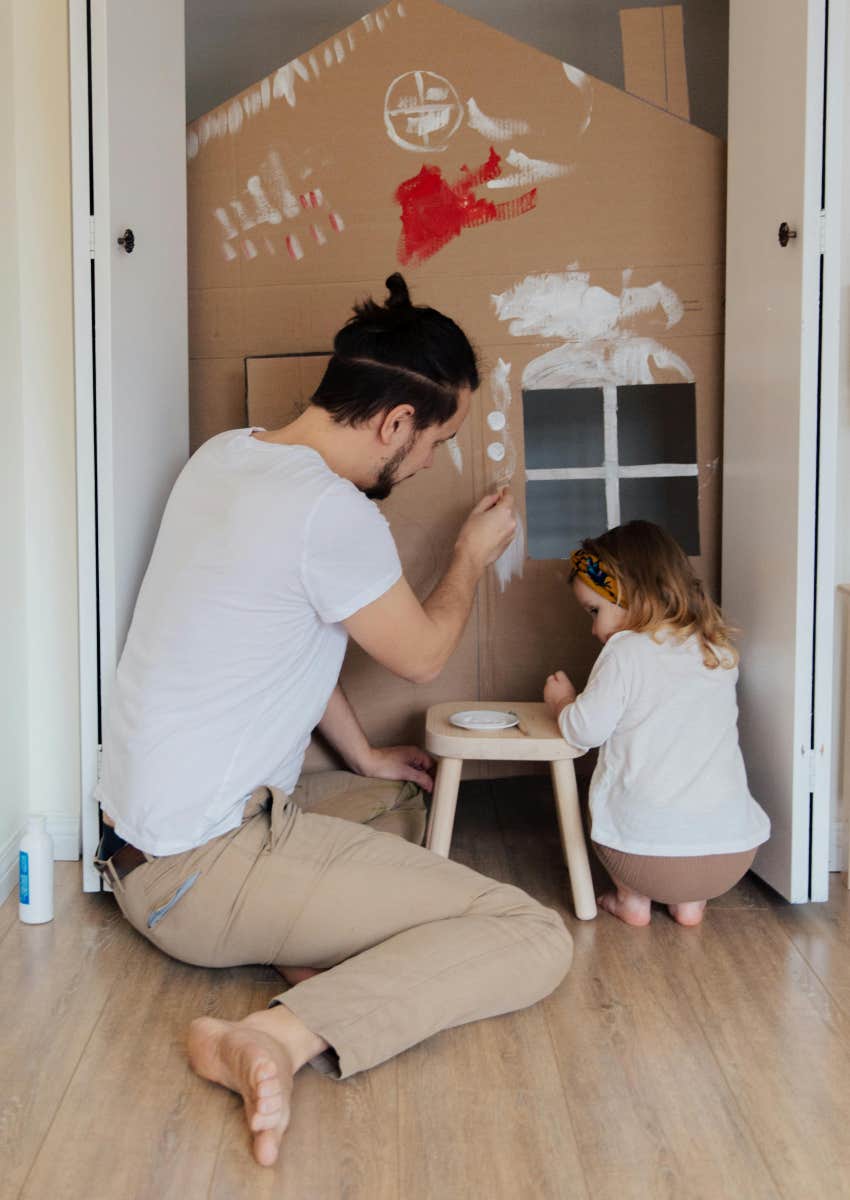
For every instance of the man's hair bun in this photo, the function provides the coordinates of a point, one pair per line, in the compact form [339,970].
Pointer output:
[399,296]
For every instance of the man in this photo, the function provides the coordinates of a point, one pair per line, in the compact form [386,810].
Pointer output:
[270,555]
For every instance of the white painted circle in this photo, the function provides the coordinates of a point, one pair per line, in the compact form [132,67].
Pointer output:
[496,451]
[422,111]
[496,420]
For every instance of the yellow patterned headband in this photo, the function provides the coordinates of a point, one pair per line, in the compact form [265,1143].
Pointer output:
[593,571]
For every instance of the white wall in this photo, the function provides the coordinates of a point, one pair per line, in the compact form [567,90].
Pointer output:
[13,625]
[39,690]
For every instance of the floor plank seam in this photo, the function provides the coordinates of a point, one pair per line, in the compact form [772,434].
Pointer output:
[566,1094]
[744,1119]
[60,1102]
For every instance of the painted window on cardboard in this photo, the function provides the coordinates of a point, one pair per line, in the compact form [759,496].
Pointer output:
[598,457]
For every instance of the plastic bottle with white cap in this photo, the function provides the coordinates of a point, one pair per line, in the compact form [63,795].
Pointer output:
[35,873]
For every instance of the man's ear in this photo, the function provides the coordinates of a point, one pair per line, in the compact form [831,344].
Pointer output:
[396,424]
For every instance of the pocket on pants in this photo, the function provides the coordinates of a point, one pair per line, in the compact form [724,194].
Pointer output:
[157,914]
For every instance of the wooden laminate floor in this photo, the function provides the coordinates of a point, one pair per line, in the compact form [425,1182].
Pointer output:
[707,1063]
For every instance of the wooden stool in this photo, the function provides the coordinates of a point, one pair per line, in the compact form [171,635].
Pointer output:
[536,739]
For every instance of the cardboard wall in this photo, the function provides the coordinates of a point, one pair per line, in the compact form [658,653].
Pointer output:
[574,231]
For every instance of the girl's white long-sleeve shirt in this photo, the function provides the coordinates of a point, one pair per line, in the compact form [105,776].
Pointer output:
[670,779]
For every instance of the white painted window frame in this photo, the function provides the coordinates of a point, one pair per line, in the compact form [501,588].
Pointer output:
[611,469]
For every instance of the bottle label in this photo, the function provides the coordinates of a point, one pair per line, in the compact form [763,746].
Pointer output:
[24,873]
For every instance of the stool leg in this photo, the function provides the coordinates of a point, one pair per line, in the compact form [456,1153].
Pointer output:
[572,838]
[443,804]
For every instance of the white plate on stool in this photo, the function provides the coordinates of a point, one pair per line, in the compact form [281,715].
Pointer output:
[483,719]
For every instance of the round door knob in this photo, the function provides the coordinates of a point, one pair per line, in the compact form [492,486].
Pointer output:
[128,241]
[786,233]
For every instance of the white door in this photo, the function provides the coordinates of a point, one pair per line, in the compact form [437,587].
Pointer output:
[138,141]
[776,84]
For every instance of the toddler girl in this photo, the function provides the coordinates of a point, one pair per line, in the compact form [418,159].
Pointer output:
[672,817]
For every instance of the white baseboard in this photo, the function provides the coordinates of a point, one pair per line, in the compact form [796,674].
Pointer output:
[838,846]
[65,832]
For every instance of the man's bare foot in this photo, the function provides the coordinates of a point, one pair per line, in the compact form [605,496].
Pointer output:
[258,1058]
[295,975]
[688,913]
[628,906]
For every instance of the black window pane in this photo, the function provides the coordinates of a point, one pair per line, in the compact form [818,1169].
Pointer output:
[657,423]
[670,503]
[563,428]
[561,512]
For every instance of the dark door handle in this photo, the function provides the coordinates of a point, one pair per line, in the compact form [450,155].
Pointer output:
[128,241]
[786,233]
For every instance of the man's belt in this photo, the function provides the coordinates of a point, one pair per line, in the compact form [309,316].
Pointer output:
[121,856]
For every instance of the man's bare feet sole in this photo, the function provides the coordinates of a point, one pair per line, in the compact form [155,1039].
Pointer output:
[634,910]
[689,913]
[251,1062]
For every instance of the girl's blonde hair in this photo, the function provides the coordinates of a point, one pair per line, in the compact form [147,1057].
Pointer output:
[658,586]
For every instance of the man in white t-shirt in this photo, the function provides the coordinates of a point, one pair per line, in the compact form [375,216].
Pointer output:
[271,553]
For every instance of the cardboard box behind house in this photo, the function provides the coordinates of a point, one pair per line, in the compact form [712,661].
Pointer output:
[580,235]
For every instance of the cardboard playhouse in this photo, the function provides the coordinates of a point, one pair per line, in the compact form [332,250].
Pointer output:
[575,231]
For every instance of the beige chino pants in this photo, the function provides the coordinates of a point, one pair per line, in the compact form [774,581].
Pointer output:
[415,943]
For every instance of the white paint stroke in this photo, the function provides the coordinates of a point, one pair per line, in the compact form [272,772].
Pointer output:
[495,129]
[265,211]
[496,451]
[284,80]
[379,21]
[314,65]
[430,122]
[641,471]
[496,421]
[329,56]
[511,562]
[500,385]
[581,81]
[367,21]
[599,346]
[229,252]
[339,50]
[456,454]
[401,10]
[222,216]
[529,170]
[234,117]
[193,145]
[612,455]
[250,248]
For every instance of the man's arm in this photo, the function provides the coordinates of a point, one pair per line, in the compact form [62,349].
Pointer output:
[344,732]
[416,640]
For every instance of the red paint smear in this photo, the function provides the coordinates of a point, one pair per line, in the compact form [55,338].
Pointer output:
[433,212]
[335,222]
[305,203]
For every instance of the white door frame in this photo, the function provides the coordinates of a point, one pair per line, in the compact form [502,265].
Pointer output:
[82,252]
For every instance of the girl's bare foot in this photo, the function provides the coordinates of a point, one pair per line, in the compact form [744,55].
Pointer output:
[688,913]
[629,906]
[258,1058]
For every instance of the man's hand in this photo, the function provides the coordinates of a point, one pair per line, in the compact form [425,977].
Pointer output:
[558,692]
[487,531]
[400,762]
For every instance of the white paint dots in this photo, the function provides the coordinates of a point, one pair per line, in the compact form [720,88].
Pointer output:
[496,451]
[192,144]
[496,420]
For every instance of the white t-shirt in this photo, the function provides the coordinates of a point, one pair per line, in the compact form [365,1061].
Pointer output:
[236,644]
[670,779]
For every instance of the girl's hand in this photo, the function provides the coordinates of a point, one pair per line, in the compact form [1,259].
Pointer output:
[558,692]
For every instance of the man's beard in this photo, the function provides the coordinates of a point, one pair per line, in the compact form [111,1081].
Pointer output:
[386,480]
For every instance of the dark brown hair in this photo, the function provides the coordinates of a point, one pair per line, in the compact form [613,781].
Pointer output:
[660,589]
[397,353]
